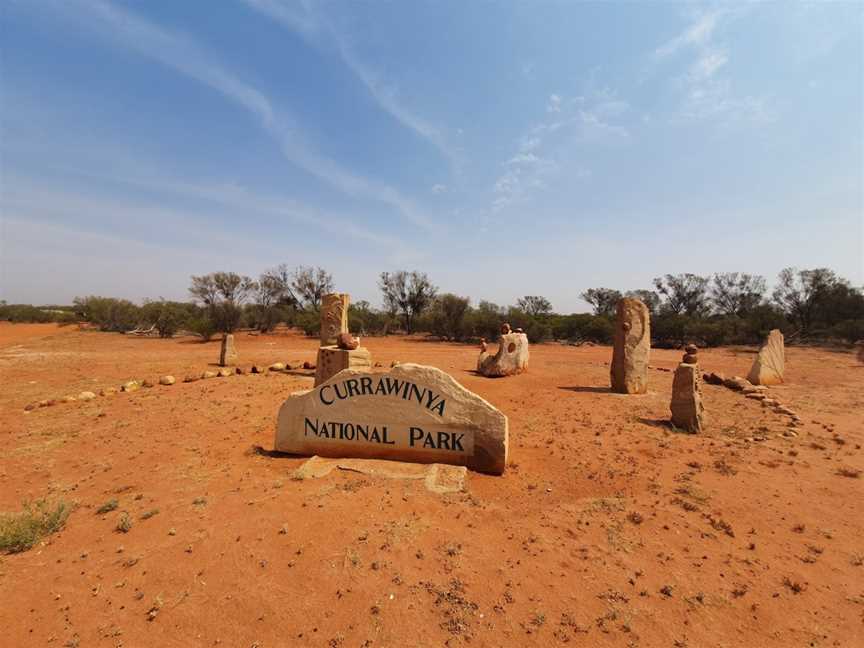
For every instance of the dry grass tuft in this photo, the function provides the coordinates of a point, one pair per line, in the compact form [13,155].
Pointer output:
[107,507]
[20,531]
[852,473]
[124,524]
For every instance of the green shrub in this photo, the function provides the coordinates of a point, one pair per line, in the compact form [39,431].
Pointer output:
[36,314]
[309,321]
[364,320]
[849,331]
[20,531]
[167,316]
[202,326]
[108,506]
[108,313]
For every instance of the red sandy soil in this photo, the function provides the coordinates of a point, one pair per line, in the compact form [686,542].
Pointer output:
[607,529]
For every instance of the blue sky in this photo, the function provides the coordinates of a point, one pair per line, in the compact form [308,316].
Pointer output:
[505,148]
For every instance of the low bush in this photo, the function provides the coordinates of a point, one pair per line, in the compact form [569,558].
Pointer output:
[21,531]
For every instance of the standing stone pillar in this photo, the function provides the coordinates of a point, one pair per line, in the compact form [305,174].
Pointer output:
[770,363]
[631,348]
[338,350]
[228,354]
[688,412]
[334,317]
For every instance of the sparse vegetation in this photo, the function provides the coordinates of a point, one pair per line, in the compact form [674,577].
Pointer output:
[107,507]
[21,531]
[124,524]
[725,308]
[852,473]
[794,586]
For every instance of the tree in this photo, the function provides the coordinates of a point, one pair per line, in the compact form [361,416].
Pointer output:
[167,316]
[604,300]
[273,294]
[686,294]
[648,297]
[448,316]
[309,286]
[407,293]
[734,293]
[366,320]
[799,292]
[223,295]
[534,305]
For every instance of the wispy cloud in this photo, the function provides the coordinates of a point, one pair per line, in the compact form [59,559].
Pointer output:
[584,119]
[29,198]
[181,53]
[306,20]
[698,33]
[706,93]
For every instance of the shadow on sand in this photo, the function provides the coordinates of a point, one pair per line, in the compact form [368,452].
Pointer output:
[664,424]
[588,390]
[261,451]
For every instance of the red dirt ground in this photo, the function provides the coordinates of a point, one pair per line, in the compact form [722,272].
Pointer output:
[608,528]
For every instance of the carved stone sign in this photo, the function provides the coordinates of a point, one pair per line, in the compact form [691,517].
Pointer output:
[334,317]
[511,358]
[410,413]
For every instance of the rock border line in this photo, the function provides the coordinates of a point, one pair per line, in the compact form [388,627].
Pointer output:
[168,380]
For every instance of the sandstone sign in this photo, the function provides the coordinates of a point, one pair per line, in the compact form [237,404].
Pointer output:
[410,413]
[632,345]
[770,363]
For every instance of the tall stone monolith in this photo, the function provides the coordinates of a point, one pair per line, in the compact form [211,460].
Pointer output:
[688,412]
[228,353]
[334,317]
[631,348]
[770,362]
[339,349]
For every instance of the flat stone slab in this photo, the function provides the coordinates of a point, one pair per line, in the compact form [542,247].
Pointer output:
[770,362]
[437,478]
[332,360]
[413,413]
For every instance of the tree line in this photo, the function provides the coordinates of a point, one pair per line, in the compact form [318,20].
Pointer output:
[725,308]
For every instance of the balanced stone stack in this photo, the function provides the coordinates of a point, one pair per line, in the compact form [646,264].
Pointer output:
[511,358]
[688,412]
[228,354]
[631,348]
[339,349]
[770,363]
